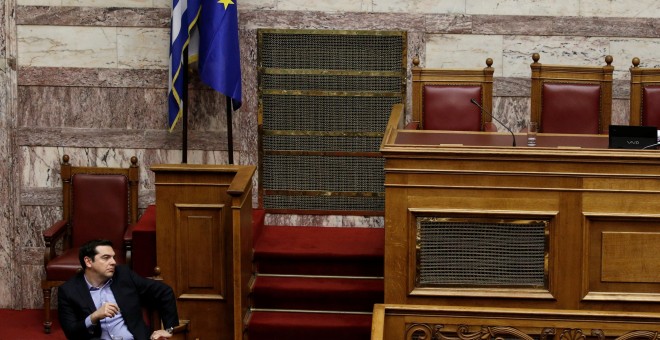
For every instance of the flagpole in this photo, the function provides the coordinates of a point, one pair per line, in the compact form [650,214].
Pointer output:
[184,109]
[230,139]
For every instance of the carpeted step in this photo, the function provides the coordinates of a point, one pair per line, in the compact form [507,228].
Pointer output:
[273,325]
[326,293]
[344,251]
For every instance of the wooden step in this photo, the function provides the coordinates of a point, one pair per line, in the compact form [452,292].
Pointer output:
[327,293]
[290,325]
[341,251]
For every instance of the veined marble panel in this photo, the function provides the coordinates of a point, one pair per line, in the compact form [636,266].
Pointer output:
[93,77]
[620,111]
[245,119]
[419,6]
[93,16]
[629,8]
[41,166]
[624,50]
[325,220]
[95,107]
[31,292]
[523,7]
[143,48]
[257,4]
[44,169]
[330,20]
[66,46]
[463,51]
[518,50]
[512,24]
[108,3]
[324,5]
[448,23]
[604,27]
[35,220]
[165,4]
[39,2]
[512,111]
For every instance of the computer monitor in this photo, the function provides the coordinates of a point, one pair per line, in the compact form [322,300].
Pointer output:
[632,137]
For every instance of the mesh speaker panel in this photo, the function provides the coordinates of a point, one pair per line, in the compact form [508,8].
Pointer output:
[481,254]
[332,51]
[321,143]
[334,174]
[326,91]
[306,82]
[336,203]
[331,113]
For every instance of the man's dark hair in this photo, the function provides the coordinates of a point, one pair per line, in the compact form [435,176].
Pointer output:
[89,250]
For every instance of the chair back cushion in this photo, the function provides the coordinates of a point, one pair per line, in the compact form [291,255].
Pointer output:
[99,208]
[448,107]
[570,108]
[651,106]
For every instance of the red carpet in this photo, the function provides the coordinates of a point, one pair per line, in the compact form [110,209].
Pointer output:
[320,251]
[294,326]
[27,324]
[316,283]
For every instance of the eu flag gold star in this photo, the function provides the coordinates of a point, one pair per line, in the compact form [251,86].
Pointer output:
[226,3]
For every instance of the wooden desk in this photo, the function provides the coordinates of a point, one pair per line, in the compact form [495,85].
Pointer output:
[586,217]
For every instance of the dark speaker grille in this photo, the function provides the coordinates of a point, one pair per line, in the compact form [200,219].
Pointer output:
[481,254]
[306,82]
[325,203]
[325,98]
[360,51]
[321,143]
[329,113]
[333,174]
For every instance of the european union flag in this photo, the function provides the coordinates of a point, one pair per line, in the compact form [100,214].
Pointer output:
[215,25]
[219,54]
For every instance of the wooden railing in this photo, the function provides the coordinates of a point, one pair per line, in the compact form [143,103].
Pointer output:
[416,322]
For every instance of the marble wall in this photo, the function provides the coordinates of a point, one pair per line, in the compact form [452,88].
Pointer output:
[88,78]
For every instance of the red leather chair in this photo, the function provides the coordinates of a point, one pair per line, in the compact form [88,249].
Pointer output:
[441,98]
[644,95]
[97,203]
[571,99]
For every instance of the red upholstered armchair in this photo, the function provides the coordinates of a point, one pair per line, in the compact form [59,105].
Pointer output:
[441,98]
[571,99]
[644,95]
[97,203]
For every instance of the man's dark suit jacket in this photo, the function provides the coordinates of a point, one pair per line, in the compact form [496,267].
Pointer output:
[132,293]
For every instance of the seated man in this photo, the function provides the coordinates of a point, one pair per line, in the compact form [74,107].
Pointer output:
[104,301]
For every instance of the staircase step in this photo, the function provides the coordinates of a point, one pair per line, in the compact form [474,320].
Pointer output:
[326,293]
[287,325]
[344,251]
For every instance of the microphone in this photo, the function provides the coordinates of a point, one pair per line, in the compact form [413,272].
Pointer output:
[473,101]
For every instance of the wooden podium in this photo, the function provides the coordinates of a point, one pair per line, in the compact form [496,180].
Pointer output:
[204,244]
[566,225]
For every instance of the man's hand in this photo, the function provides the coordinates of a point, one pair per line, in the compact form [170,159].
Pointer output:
[160,334]
[107,310]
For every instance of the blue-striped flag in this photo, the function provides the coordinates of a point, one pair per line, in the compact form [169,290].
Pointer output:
[212,36]
[183,22]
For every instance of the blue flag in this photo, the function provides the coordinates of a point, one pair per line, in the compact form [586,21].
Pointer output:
[183,22]
[212,36]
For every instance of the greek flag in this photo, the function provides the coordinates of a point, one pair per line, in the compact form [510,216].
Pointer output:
[210,30]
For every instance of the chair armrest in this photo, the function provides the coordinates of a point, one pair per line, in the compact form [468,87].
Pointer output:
[54,232]
[51,235]
[414,125]
[490,127]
